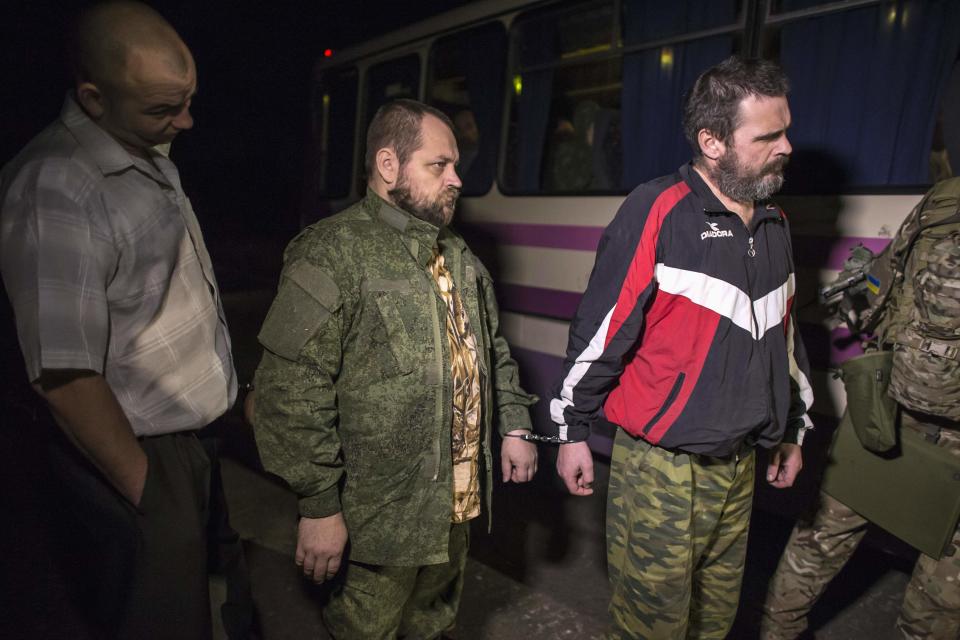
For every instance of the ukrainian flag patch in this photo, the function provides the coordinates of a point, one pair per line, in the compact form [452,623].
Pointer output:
[873,284]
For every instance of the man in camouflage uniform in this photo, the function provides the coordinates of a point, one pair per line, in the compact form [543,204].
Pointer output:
[925,384]
[383,372]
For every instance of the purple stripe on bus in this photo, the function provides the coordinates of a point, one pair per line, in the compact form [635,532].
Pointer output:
[823,252]
[551,236]
[552,303]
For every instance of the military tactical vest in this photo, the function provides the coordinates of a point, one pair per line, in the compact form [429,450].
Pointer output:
[913,288]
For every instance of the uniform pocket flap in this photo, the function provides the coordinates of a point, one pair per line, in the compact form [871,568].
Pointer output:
[315,282]
[304,302]
[397,336]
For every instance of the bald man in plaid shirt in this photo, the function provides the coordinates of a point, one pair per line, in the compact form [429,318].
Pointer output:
[121,326]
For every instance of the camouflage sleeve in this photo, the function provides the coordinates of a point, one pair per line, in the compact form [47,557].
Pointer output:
[295,412]
[512,401]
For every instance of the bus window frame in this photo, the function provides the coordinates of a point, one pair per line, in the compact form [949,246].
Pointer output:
[323,138]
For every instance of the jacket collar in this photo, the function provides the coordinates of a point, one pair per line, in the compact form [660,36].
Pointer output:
[109,156]
[419,236]
[711,204]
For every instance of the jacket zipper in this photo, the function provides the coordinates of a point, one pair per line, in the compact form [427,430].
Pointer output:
[438,361]
[751,253]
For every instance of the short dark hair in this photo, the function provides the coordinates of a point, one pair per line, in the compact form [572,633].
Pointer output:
[397,124]
[714,101]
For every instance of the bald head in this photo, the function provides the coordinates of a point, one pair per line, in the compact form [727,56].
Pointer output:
[134,75]
[111,38]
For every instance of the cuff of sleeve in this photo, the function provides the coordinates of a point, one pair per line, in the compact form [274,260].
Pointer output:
[795,433]
[326,503]
[513,417]
[576,433]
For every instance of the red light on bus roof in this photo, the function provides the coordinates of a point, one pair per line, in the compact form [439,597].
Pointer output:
[327,53]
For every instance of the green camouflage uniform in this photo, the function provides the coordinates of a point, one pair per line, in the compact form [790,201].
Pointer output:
[818,550]
[677,528]
[925,380]
[354,397]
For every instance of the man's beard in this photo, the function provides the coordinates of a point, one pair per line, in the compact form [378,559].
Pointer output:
[432,211]
[728,175]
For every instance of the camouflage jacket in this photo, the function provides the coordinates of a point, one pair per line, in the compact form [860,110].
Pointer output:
[354,396]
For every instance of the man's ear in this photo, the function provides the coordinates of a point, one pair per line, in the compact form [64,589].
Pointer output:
[91,99]
[711,146]
[388,165]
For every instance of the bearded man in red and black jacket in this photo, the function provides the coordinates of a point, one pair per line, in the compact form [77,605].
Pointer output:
[684,340]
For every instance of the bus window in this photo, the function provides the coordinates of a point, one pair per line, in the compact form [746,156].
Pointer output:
[945,149]
[564,115]
[657,75]
[391,80]
[388,81]
[335,113]
[866,85]
[465,81]
[598,109]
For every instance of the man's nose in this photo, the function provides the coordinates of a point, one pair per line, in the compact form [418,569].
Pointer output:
[786,148]
[453,180]
[184,120]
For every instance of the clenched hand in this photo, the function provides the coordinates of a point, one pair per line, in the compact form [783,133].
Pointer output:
[518,459]
[320,544]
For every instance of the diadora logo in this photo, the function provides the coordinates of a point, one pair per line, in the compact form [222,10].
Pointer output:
[715,232]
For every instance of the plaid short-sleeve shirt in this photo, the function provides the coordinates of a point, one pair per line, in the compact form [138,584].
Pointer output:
[105,265]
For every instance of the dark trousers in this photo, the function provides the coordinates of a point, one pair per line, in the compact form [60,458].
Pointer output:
[139,572]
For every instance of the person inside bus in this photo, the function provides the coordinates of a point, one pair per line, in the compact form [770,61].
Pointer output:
[684,340]
[468,140]
[607,151]
[383,373]
[569,162]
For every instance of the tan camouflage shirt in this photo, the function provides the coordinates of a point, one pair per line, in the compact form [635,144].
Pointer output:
[465,374]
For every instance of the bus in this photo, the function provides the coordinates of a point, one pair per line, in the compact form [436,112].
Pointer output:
[561,108]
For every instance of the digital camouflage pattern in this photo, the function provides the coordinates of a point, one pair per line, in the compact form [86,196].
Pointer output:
[384,603]
[888,296]
[677,529]
[920,317]
[354,403]
[926,359]
[817,550]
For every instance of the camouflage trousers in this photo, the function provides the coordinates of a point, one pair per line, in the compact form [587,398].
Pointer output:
[381,603]
[817,551]
[676,540]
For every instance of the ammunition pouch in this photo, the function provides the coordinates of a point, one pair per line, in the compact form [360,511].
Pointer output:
[912,491]
[871,411]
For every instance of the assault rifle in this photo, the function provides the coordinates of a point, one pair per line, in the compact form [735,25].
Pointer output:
[850,282]
[840,285]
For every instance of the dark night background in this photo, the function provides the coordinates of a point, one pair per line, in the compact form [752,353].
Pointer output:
[242,164]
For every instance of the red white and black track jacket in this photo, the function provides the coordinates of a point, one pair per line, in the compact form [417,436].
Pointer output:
[684,336]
